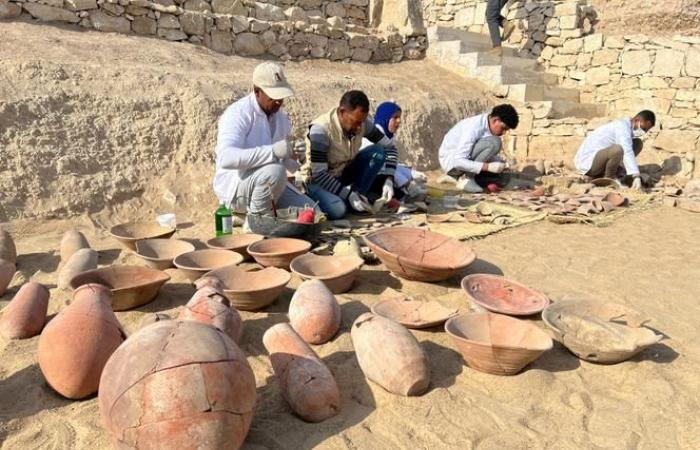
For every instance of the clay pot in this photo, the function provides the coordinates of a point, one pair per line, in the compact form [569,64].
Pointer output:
[278,252]
[82,260]
[604,182]
[413,313]
[75,345]
[160,253]
[197,263]
[129,233]
[71,242]
[177,384]
[235,242]
[501,295]
[132,286]
[251,290]
[7,272]
[587,329]
[24,317]
[497,344]
[418,254]
[305,381]
[617,200]
[209,306]
[336,272]
[151,318]
[314,312]
[390,355]
[8,251]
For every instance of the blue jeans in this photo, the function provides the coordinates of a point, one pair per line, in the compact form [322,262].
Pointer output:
[359,174]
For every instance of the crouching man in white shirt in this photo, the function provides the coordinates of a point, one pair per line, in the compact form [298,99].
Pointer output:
[471,149]
[614,143]
[254,147]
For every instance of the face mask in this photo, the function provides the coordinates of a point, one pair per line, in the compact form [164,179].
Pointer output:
[638,133]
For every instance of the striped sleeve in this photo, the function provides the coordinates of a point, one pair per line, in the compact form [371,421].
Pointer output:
[375,134]
[319,147]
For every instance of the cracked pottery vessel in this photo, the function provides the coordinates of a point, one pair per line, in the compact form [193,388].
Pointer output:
[160,253]
[235,242]
[210,306]
[131,286]
[71,242]
[418,254]
[131,232]
[336,272]
[196,263]
[8,251]
[81,261]
[501,295]
[597,331]
[75,345]
[278,252]
[25,315]
[314,312]
[390,355]
[7,272]
[306,383]
[497,344]
[251,290]
[177,384]
[413,313]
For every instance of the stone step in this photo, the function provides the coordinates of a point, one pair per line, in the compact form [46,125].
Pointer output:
[561,109]
[540,92]
[497,75]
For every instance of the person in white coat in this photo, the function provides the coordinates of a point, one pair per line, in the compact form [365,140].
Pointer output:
[615,143]
[254,148]
[471,149]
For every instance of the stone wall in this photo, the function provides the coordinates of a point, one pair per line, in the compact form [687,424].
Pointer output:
[290,29]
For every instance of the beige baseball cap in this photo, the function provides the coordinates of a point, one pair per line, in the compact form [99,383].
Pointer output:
[270,78]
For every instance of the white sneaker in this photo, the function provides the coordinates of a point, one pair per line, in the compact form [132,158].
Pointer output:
[469,185]
[446,179]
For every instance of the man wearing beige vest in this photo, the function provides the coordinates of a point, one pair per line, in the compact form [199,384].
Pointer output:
[336,171]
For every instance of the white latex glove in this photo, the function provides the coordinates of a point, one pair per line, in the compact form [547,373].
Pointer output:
[282,149]
[299,150]
[299,179]
[637,184]
[494,167]
[388,189]
[359,203]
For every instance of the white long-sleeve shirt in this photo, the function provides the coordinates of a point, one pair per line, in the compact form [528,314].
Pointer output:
[617,132]
[458,143]
[244,143]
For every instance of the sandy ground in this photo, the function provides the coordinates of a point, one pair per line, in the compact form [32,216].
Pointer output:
[649,261]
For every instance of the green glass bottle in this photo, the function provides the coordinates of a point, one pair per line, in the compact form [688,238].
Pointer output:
[223,221]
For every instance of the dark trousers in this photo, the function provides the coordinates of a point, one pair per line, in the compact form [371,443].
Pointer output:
[606,163]
[495,20]
[362,171]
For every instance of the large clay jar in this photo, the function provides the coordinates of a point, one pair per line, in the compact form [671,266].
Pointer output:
[72,241]
[305,382]
[180,385]
[8,251]
[7,271]
[75,345]
[210,306]
[82,260]
[314,312]
[24,317]
[390,355]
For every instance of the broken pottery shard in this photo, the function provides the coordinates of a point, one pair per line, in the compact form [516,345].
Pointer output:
[177,384]
[305,381]
[390,355]
[314,312]
[413,313]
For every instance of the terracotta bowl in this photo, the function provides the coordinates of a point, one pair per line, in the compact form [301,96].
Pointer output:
[497,344]
[419,254]
[159,253]
[604,182]
[129,233]
[235,242]
[197,263]
[337,272]
[278,252]
[599,331]
[503,296]
[615,199]
[413,313]
[251,290]
[131,286]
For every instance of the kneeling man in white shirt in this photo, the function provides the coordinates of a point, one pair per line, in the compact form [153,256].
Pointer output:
[614,143]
